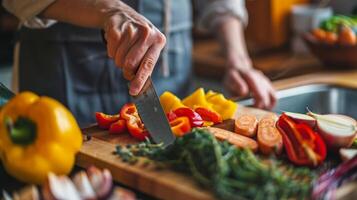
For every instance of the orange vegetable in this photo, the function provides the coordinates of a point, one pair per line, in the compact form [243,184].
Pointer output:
[134,124]
[233,138]
[246,125]
[319,34]
[180,126]
[104,121]
[269,138]
[331,38]
[346,36]
[118,127]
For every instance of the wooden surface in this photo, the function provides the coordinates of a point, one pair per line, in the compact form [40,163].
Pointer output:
[344,78]
[166,184]
[160,183]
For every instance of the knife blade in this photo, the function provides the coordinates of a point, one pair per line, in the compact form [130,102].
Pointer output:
[152,114]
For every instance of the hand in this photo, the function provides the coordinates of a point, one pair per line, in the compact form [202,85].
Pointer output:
[241,78]
[134,43]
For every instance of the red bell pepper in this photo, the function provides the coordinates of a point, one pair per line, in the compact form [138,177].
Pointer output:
[133,122]
[303,146]
[171,116]
[180,126]
[195,119]
[209,115]
[118,127]
[104,121]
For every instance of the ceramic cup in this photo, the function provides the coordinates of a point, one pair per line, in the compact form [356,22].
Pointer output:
[306,17]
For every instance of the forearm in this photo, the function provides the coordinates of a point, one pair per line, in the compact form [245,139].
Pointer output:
[231,36]
[87,13]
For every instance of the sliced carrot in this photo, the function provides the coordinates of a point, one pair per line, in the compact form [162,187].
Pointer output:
[246,125]
[269,138]
[233,138]
[268,120]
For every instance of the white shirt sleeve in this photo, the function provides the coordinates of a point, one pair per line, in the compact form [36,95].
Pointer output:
[211,12]
[27,11]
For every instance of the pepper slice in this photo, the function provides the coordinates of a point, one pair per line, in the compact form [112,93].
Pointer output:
[118,127]
[195,119]
[104,121]
[180,126]
[303,146]
[209,115]
[170,102]
[133,122]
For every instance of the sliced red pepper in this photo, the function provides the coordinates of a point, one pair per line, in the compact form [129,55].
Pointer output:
[209,115]
[180,126]
[171,116]
[118,127]
[195,119]
[303,146]
[133,122]
[104,121]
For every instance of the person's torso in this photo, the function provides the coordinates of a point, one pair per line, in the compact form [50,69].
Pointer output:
[70,63]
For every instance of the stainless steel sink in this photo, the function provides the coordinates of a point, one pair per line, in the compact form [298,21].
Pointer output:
[320,98]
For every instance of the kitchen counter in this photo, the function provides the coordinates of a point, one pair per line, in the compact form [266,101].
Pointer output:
[344,78]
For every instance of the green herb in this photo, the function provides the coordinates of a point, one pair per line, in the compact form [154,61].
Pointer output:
[230,172]
[333,23]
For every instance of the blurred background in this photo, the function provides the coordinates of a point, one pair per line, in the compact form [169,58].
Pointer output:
[272,35]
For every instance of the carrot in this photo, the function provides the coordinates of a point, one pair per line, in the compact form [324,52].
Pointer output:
[269,138]
[331,38]
[233,138]
[246,125]
[319,34]
[347,36]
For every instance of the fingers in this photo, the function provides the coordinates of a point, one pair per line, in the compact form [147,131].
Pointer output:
[135,55]
[146,67]
[135,45]
[273,97]
[113,35]
[235,83]
[129,39]
[262,91]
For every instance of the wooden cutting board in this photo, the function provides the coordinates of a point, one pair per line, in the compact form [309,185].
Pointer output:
[160,183]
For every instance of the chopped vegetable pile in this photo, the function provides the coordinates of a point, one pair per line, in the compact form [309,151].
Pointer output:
[230,172]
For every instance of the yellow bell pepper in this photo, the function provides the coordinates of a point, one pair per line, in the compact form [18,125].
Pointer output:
[210,93]
[170,102]
[226,108]
[211,100]
[197,99]
[38,135]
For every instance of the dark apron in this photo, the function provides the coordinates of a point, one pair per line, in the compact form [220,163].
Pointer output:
[70,63]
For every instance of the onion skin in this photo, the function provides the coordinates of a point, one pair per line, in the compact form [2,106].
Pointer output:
[335,141]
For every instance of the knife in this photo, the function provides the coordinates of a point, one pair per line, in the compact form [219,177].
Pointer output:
[152,114]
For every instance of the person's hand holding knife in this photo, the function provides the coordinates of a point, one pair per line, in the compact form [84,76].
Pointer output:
[135,45]
[132,41]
